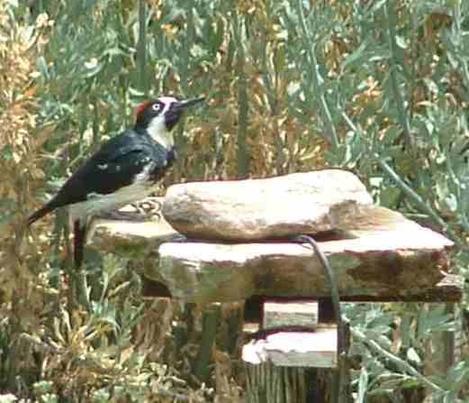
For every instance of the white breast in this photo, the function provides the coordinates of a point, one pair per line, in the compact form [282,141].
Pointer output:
[158,132]
[99,203]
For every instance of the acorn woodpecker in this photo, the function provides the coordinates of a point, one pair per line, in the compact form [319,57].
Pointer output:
[124,170]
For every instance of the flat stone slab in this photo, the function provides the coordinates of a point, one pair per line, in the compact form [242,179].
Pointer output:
[378,255]
[131,231]
[383,254]
[254,209]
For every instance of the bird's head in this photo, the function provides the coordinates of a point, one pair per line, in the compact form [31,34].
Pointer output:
[158,116]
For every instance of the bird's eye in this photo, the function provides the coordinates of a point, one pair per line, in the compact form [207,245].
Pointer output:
[156,107]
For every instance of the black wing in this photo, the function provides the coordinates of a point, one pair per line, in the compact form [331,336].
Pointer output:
[114,166]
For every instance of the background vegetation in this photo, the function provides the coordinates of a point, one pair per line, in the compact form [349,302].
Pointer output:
[379,87]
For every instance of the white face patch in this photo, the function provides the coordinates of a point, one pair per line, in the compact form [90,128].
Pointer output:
[157,128]
[158,132]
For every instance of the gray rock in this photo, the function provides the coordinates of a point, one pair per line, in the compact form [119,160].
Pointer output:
[255,209]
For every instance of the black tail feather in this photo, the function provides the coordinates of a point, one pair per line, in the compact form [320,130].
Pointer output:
[46,209]
[79,236]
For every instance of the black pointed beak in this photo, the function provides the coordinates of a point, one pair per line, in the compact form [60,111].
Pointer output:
[176,110]
[189,102]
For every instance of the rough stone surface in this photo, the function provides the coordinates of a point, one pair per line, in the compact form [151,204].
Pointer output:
[377,255]
[397,257]
[254,209]
[133,230]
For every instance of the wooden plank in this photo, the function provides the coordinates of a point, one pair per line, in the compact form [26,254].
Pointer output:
[295,349]
[303,314]
[307,357]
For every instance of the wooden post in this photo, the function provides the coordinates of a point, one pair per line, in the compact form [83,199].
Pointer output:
[296,355]
[209,331]
[267,383]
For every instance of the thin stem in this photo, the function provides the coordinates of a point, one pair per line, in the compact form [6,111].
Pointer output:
[243,107]
[403,365]
[457,18]
[210,321]
[408,191]
[142,44]
[417,199]
[394,65]
[311,53]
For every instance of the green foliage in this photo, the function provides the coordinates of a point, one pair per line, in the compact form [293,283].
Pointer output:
[380,87]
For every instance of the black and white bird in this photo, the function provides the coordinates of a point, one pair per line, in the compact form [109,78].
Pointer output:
[124,170]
